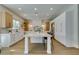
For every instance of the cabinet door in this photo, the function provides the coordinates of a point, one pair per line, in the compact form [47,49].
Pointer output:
[5,40]
[47,26]
[8,20]
[26,25]
[0,19]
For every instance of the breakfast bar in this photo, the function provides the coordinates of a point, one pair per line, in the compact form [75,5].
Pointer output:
[37,34]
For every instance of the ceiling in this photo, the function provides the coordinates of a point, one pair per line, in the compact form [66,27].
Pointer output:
[42,11]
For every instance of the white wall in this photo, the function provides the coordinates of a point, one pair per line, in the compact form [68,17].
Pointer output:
[70,27]
[60,32]
[67,34]
[72,23]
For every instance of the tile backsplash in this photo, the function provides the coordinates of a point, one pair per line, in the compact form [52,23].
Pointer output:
[8,30]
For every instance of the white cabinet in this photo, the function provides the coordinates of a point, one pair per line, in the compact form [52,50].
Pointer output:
[36,40]
[9,39]
[15,37]
[5,40]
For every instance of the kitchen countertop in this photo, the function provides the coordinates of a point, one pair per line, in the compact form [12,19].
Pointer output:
[31,33]
[5,32]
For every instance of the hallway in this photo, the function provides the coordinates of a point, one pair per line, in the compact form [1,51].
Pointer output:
[59,49]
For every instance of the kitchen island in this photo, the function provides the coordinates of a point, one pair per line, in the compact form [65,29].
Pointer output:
[37,34]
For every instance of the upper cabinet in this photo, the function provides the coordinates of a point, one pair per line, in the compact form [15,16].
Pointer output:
[47,26]
[26,25]
[6,19]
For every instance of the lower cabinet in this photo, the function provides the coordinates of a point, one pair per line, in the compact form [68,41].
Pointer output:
[5,40]
[9,39]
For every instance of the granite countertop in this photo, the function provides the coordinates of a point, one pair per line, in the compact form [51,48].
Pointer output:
[31,33]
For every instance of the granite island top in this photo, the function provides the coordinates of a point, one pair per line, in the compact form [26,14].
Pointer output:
[31,33]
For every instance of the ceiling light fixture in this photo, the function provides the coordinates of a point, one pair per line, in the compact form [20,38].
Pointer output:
[35,9]
[20,8]
[51,8]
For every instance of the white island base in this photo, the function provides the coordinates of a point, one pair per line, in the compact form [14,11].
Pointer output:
[33,34]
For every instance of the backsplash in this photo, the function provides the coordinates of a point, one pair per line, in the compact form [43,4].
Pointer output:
[8,30]
[37,29]
[4,30]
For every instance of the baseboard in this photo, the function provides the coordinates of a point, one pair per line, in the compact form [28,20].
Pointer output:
[60,42]
[66,45]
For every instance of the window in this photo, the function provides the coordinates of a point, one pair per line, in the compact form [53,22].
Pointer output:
[16,24]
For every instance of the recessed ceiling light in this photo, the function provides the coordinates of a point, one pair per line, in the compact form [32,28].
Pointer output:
[35,9]
[20,8]
[51,8]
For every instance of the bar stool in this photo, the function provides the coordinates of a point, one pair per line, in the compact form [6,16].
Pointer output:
[45,41]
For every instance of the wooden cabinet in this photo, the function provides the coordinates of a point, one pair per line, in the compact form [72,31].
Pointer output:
[47,26]
[26,25]
[6,20]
